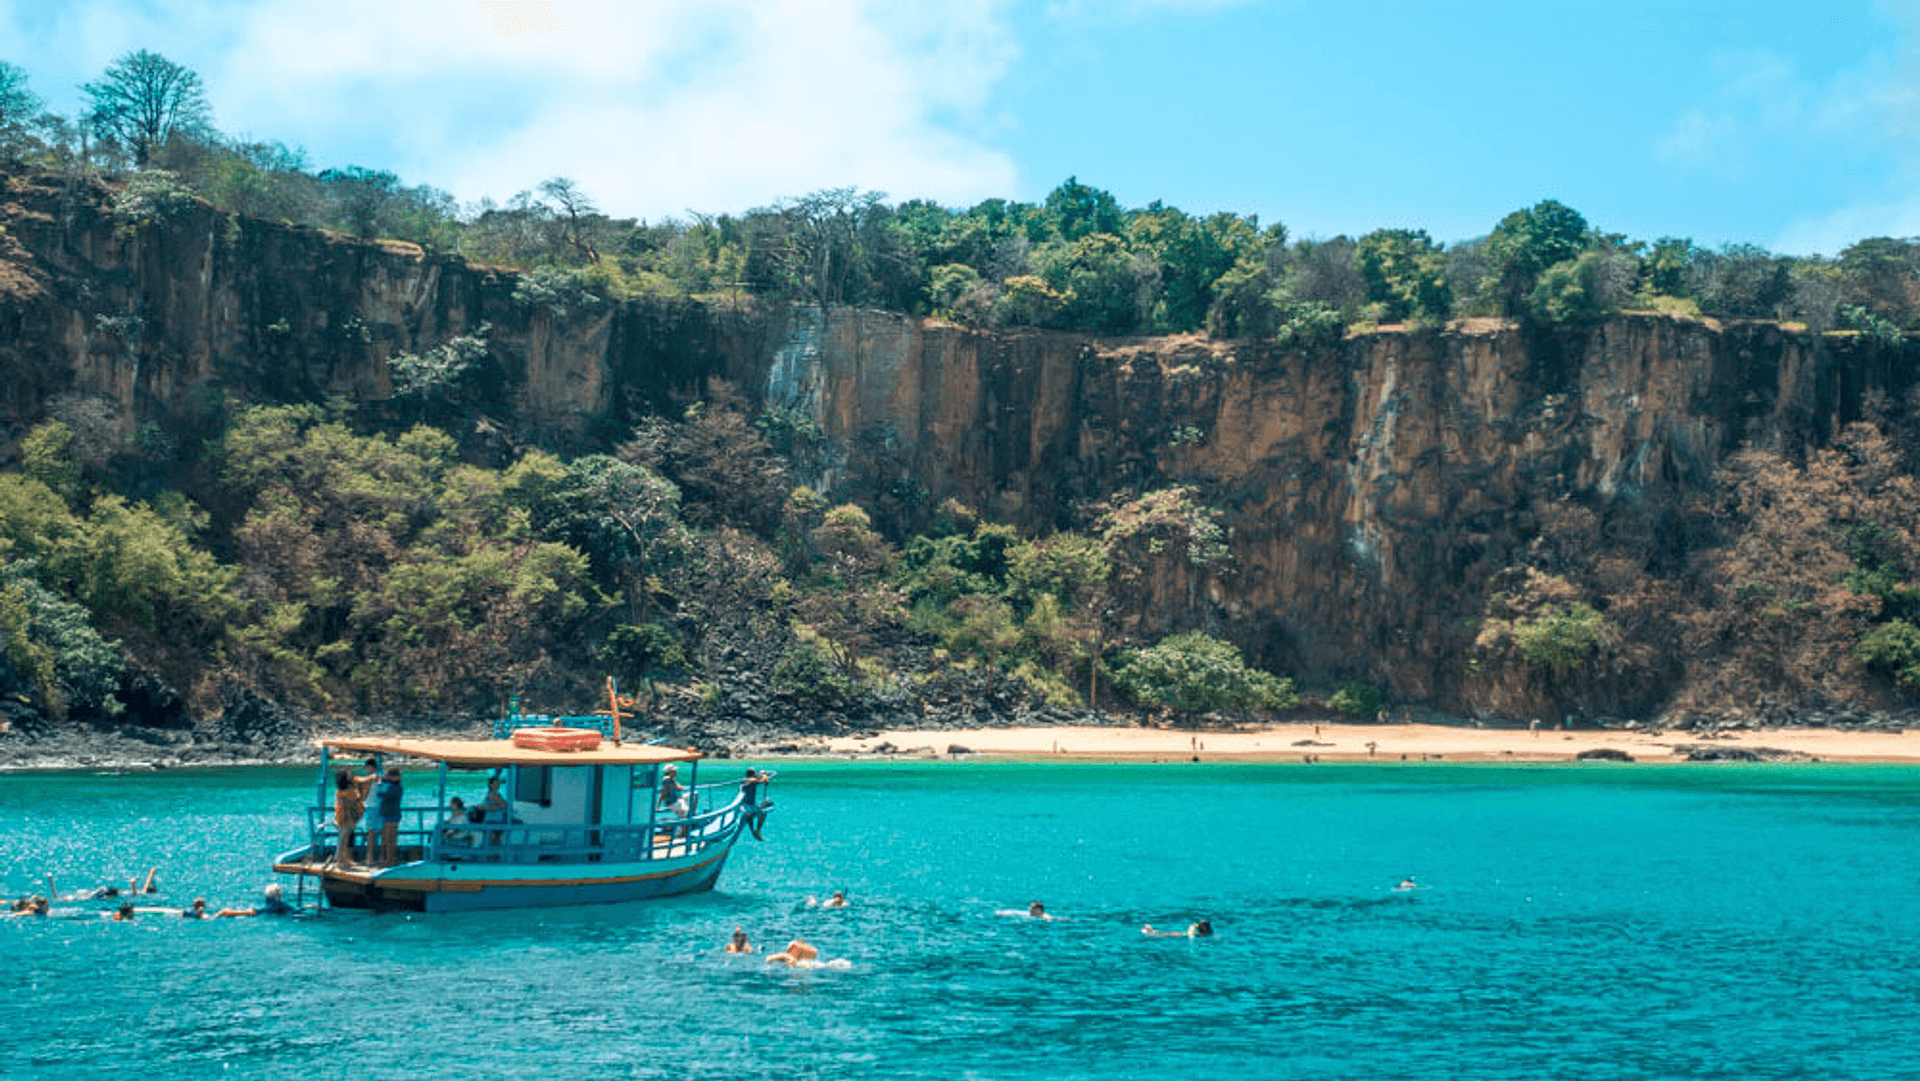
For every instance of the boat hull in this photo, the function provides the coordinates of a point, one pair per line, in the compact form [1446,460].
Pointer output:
[465,886]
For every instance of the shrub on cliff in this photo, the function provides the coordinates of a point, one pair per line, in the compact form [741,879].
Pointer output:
[1542,617]
[1196,672]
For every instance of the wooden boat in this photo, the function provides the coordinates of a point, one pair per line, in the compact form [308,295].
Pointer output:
[582,824]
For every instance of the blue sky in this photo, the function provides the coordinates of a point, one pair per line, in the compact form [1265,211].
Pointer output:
[1794,125]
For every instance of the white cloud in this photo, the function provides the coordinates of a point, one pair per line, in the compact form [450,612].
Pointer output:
[655,108]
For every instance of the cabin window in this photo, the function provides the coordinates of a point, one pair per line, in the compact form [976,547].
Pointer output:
[533,784]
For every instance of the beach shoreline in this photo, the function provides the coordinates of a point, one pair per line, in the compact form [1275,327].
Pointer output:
[1310,743]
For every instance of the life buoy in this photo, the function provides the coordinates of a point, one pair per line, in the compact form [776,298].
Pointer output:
[556,739]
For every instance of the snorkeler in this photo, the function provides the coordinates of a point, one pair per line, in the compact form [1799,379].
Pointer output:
[1197,929]
[271,905]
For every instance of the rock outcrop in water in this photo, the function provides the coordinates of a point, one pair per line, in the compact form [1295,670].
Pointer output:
[1372,488]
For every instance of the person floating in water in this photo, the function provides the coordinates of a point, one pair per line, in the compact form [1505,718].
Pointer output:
[1197,929]
[1038,911]
[800,954]
[272,903]
[738,943]
[838,900]
[124,914]
[1406,884]
[198,911]
[30,906]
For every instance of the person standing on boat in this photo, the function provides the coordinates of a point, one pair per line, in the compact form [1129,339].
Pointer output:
[754,811]
[388,797]
[349,802]
[370,817]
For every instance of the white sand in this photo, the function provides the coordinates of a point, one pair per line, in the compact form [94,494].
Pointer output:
[1389,742]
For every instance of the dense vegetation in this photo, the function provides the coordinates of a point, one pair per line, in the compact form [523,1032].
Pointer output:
[375,573]
[323,562]
[1077,260]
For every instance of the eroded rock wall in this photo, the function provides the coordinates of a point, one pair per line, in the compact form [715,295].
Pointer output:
[1371,487]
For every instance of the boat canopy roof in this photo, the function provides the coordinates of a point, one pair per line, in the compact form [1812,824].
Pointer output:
[484,753]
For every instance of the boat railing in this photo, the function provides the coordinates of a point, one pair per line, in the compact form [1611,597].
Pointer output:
[426,830]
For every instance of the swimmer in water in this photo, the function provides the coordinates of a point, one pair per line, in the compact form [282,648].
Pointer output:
[1198,929]
[738,943]
[272,903]
[125,913]
[838,900]
[1406,884]
[1038,911]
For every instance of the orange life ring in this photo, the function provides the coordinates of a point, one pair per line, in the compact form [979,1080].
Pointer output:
[556,739]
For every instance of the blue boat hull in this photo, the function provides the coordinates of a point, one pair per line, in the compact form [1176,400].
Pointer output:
[466,886]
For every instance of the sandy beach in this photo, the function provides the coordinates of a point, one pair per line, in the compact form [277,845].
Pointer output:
[1381,743]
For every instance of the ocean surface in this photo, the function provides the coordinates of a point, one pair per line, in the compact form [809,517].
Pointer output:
[1574,921]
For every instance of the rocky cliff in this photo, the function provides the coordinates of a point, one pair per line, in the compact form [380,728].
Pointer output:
[1371,488]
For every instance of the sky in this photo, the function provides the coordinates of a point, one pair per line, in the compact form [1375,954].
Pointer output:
[1790,124]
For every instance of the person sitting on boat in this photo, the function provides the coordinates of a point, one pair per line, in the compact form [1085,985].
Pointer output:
[453,829]
[272,904]
[738,943]
[673,795]
[754,811]
[349,802]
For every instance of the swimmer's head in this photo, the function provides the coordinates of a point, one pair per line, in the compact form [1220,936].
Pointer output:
[273,891]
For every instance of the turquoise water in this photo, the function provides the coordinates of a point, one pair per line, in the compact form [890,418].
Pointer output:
[1577,921]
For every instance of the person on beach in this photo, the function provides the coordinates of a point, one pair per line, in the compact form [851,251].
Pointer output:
[271,904]
[738,943]
[750,805]
[388,798]
[349,803]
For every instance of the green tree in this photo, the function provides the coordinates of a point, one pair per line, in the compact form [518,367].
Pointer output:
[1195,672]
[1106,287]
[1406,273]
[1073,211]
[1526,243]
[143,99]
[436,372]
[20,113]
[1671,266]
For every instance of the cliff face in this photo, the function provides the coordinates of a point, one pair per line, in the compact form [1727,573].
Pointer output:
[1371,488]
[113,325]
